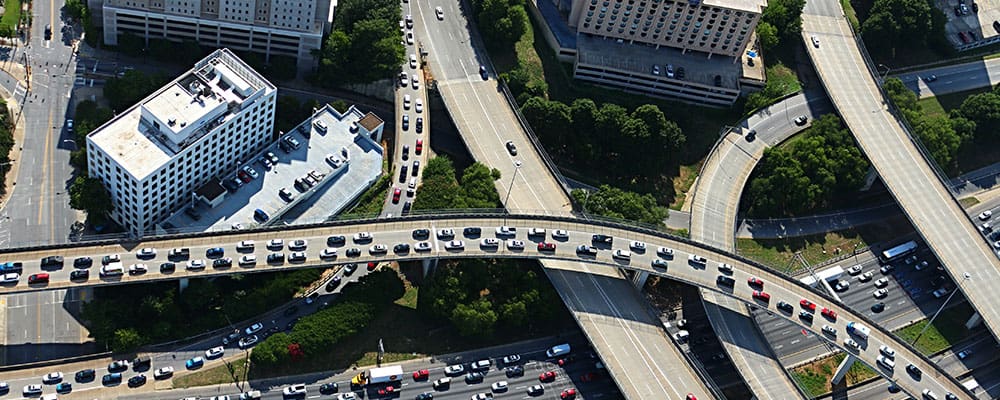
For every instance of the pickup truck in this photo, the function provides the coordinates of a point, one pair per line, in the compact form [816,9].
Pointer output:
[183,252]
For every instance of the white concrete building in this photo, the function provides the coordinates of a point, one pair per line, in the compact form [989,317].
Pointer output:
[198,127]
[271,27]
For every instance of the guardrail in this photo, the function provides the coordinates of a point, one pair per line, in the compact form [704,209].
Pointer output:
[59,361]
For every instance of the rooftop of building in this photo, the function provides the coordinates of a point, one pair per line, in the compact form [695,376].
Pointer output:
[147,135]
[339,187]
[752,6]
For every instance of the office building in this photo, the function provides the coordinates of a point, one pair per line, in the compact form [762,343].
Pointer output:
[155,155]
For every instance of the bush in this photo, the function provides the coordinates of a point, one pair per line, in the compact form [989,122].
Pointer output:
[440,189]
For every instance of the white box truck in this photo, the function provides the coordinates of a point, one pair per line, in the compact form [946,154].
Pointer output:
[392,373]
[858,330]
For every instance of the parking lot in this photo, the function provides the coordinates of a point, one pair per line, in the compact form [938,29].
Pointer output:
[970,22]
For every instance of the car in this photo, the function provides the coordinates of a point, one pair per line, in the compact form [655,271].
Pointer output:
[83,262]
[586,250]
[146,253]
[880,293]
[363,237]
[224,397]
[829,330]
[442,383]
[415,81]
[560,234]
[546,246]
[445,234]
[854,270]
[406,102]
[248,260]
[473,377]
[52,378]
[40,278]
[964,354]
[215,352]
[511,359]
[483,396]
[245,245]
[621,254]
[788,308]
[930,78]
[815,41]
[336,240]
[224,262]
[481,365]
[656,70]
[490,242]
[865,277]
[985,215]
[472,231]
[138,269]
[829,314]
[511,147]
[329,388]
[137,380]
[885,362]
[755,282]
[806,304]
[806,315]
[514,370]
[419,105]
[439,13]
[422,246]
[353,252]
[55,261]
[536,390]
[298,245]
[413,61]
[418,146]
[878,307]
[569,393]
[913,370]
[665,252]
[536,232]
[696,259]
[420,124]
[500,386]
[637,246]
[882,282]
[421,375]
[851,344]
[295,390]
[886,269]
[13,277]
[725,268]
[64,387]
[403,79]
[395,195]
[658,263]
[347,396]
[387,391]
[194,362]
[506,231]
[547,376]
[670,70]
[801,120]
[250,171]
[454,245]
[514,244]
[163,373]
[275,244]
[248,341]
[602,239]
[425,396]
[32,390]
[118,366]
[761,295]
[454,369]
[378,249]
[726,281]
[215,252]
[85,375]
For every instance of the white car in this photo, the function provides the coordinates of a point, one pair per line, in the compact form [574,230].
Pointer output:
[483,396]
[454,369]
[490,242]
[637,245]
[506,230]
[881,282]
[658,263]
[851,344]
[536,232]
[403,79]
[499,386]
[622,254]
[328,252]
[887,351]
[406,102]
[885,362]
[245,245]
[137,269]
[413,61]
[445,234]
[11,277]
[815,41]
[409,38]
[146,253]
[276,244]
[248,341]
[295,390]
[163,373]
[514,244]
[196,264]
[378,249]
[252,329]
[865,277]
[511,359]
[415,81]
[248,259]
[561,234]
[347,396]
[250,171]
[422,246]
[881,293]
[362,236]
[854,270]
[726,268]
[298,245]
[439,13]
[419,105]
[219,398]
[32,390]
[697,259]
[985,215]
[842,285]
[52,378]
[214,352]
[455,245]
[665,252]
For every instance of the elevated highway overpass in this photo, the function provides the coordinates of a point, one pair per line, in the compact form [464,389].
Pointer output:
[579,231]
[908,175]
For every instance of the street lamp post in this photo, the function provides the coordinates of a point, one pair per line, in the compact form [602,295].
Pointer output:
[965,277]
[506,209]
[886,74]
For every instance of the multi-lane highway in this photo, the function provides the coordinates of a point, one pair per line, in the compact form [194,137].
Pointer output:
[395,231]
[953,78]
[905,171]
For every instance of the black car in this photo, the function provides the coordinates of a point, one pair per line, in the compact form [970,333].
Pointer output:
[914,371]
[137,380]
[788,308]
[605,239]
[118,366]
[513,371]
[349,269]
[85,375]
[353,252]
[472,231]
[333,283]
[55,261]
[421,233]
[276,258]
[222,263]
[401,248]
[328,388]
[511,148]
[338,240]
[878,307]
[473,377]
[215,252]
[167,267]
[482,72]
[79,275]
[806,316]
[113,378]
[83,262]
[726,281]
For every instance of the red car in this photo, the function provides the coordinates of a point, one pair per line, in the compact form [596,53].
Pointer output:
[545,246]
[691,396]
[568,394]
[761,295]
[38,278]
[755,282]
[371,266]
[395,195]
[388,390]
[808,305]
[243,176]
[589,377]
[422,374]
[419,147]
[830,314]
[563,362]
[547,376]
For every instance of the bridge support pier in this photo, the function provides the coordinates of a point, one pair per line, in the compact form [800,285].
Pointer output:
[842,369]
[639,279]
[429,265]
[183,283]
[974,321]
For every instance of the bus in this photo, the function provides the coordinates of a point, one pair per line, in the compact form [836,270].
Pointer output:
[899,251]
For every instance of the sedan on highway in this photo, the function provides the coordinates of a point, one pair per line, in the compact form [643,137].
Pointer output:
[511,148]
[52,378]
[215,352]
[163,373]
[586,250]
[546,246]
[513,244]
[489,243]
[454,245]
[455,369]
[13,277]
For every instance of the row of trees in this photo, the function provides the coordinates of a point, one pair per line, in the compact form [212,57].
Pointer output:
[316,334]
[608,138]
[941,135]
[895,27]
[820,167]
[159,312]
[365,44]
[481,297]
[501,22]
[617,203]
[441,188]
[6,143]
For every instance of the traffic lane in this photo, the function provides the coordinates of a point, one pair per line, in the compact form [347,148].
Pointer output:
[42,326]
[697,274]
[978,352]
[448,39]
[953,78]
[787,341]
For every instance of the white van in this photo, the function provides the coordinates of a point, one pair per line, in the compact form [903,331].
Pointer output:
[113,269]
[320,125]
[681,336]
[557,351]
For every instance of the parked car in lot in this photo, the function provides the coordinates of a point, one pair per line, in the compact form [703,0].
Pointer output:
[163,373]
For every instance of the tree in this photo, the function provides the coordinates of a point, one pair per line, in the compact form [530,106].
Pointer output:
[475,319]
[893,24]
[126,340]
[768,35]
[901,96]
[939,137]
[89,194]
[127,90]
[477,188]
[785,16]
[616,203]
[502,22]
[984,111]
[550,119]
[76,8]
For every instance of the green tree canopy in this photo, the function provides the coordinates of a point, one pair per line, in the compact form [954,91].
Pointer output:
[89,194]
[785,16]
[617,203]
[902,24]
[502,22]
